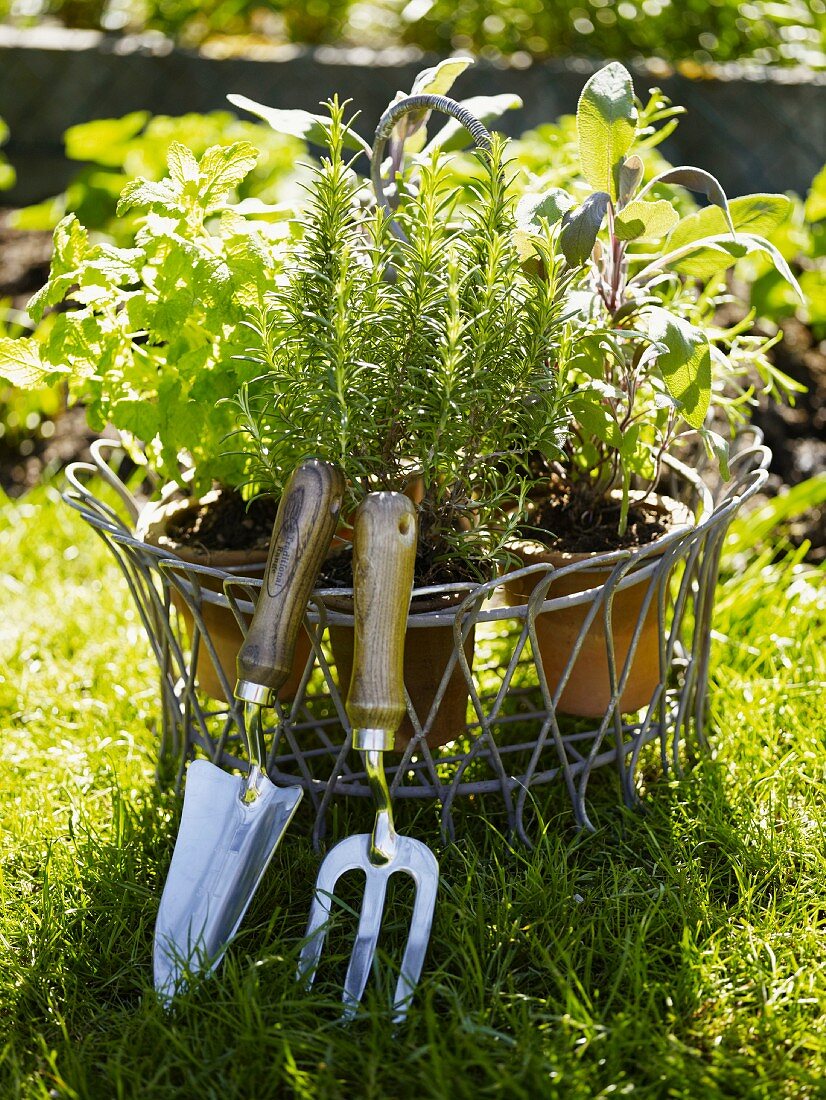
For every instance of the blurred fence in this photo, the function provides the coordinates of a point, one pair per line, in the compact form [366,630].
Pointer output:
[756,129]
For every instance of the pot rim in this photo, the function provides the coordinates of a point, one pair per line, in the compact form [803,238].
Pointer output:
[424,604]
[152,523]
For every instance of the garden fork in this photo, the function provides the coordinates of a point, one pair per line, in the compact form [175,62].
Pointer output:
[384,553]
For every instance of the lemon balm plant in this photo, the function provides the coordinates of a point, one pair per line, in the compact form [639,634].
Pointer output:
[146,335]
[145,328]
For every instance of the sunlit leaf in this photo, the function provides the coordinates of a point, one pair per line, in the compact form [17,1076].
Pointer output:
[486,108]
[314,129]
[815,208]
[20,362]
[695,179]
[221,168]
[749,214]
[606,121]
[551,205]
[716,254]
[685,364]
[717,447]
[630,176]
[439,79]
[104,141]
[645,219]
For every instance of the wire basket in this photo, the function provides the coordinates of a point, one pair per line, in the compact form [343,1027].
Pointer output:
[514,737]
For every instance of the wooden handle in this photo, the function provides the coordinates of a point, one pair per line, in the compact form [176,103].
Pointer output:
[307,517]
[384,555]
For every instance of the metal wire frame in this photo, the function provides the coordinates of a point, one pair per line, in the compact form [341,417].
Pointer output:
[515,739]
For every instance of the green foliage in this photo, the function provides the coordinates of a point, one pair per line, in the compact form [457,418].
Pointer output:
[698,31]
[607,125]
[117,151]
[23,412]
[190,22]
[426,355]
[650,358]
[152,329]
[150,339]
[789,33]
[7,174]
[801,241]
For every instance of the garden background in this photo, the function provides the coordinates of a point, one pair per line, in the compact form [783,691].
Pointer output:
[676,953]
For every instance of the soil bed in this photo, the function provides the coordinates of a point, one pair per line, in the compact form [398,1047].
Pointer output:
[562,525]
[224,521]
[24,261]
[337,571]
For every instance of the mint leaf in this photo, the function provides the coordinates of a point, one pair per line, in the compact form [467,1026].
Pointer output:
[139,416]
[160,194]
[71,245]
[110,267]
[105,141]
[20,362]
[222,167]
[815,209]
[182,165]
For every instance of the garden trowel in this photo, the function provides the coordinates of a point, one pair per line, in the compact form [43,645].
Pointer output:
[231,825]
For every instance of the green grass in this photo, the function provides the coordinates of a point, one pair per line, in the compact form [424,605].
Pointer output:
[679,953]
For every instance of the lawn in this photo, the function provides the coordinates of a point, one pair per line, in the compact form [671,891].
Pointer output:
[675,953]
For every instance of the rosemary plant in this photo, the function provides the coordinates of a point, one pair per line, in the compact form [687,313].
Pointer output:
[426,360]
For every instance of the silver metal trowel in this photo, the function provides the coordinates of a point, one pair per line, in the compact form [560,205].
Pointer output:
[231,825]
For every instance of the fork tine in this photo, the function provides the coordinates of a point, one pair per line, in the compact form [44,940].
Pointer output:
[423,868]
[314,939]
[348,855]
[367,937]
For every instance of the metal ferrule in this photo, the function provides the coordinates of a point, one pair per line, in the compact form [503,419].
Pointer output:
[365,740]
[248,692]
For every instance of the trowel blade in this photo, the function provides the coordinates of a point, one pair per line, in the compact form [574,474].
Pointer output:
[223,848]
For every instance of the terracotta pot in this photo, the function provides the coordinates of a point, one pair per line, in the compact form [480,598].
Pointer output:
[220,622]
[587,692]
[427,651]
